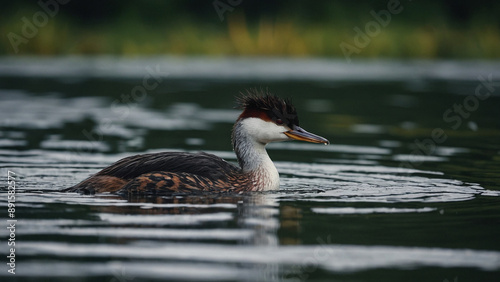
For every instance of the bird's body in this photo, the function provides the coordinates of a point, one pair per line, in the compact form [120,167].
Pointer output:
[264,119]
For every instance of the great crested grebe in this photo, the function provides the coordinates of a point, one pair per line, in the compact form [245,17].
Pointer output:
[265,118]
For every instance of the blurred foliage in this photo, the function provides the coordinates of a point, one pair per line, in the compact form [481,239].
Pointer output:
[423,29]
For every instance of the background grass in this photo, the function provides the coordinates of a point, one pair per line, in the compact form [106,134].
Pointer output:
[423,29]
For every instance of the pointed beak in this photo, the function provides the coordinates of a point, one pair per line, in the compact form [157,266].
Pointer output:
[299,133]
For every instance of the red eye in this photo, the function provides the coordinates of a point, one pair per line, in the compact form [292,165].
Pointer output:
[279,121]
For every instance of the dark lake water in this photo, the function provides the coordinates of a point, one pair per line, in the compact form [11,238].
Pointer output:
[409,189]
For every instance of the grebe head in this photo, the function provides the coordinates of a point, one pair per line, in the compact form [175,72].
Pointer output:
[267,118]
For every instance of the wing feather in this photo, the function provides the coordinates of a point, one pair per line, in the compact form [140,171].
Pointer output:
[202,164]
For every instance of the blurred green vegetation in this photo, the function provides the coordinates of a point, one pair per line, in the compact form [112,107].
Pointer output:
[423,29]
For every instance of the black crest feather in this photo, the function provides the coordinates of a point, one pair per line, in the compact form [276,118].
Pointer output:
[276,108]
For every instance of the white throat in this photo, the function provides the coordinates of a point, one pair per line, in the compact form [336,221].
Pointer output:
[249,141]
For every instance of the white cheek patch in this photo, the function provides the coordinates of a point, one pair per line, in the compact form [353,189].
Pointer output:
[264,131]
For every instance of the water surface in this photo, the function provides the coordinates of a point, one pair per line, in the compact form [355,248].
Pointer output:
[408,190]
